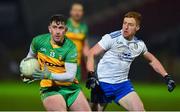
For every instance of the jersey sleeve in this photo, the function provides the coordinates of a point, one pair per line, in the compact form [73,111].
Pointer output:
[105,42]
[144,48]
[71,56]
[34,46]
[30,53]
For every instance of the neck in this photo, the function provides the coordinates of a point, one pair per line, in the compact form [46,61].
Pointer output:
[129,38]
[57,43]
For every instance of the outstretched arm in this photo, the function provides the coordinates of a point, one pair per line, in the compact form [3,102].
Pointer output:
[157,66]
[92,79]
[103,45]
[155,63]
[96,50]
[85,48]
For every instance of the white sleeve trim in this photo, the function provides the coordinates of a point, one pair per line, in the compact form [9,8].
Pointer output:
[105,42]
[101,45]
[145,50]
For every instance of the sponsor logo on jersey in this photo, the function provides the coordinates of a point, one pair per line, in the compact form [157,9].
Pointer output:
[119,42]
[133,45]
[43,49]
[60,57]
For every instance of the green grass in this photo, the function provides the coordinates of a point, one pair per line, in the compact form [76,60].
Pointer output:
[19,96]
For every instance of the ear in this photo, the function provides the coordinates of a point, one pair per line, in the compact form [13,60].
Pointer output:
[66,29]
[137,27]
[49,29]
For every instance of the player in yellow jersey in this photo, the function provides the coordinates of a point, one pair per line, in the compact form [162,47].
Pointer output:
[77,32]
[57,56]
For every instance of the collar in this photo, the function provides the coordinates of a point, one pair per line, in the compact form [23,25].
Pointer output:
[134,39]
[55,45]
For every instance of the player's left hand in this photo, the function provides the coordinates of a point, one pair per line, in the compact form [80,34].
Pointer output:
[91,81]
[26,80]
[170,83]
[42,74]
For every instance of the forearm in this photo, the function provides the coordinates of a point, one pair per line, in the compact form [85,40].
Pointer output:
[157,66]
[90,62]
[85,48]
[95,51]
[69,75]
[63,77]
[167,78]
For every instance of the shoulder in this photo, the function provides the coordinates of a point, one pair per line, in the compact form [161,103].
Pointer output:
[69,42]
[39,40]
[115,34]
[42,37]
[136,39]
[111,36]
[84,26]
[70,47]
[139,42]
[68,22]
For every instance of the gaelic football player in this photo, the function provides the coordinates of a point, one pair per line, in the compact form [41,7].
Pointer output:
[57,56]
[121,48]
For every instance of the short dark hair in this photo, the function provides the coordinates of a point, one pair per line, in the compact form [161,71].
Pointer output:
[58,18]
[136,15]
[77,2]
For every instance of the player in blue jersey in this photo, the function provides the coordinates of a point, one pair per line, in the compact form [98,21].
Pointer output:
[121,48]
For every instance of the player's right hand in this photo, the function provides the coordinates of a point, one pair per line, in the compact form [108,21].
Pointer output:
[26,80]
[91,81]
[170,83]
[42,74]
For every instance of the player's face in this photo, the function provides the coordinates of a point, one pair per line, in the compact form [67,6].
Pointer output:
[129,27]
[57,30]
[77,12]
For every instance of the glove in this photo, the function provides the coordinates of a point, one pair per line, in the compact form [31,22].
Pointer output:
[91,81]
[170,82]
[42,74]
[26,80]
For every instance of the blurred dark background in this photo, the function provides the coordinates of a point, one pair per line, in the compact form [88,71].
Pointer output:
[21,20]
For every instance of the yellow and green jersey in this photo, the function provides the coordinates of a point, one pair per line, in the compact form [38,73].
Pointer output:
[77,34]
[54,57]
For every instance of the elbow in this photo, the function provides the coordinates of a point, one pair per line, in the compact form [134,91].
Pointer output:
[151,63]
[91,53]
[71,77]
[85,52]
[154,65]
